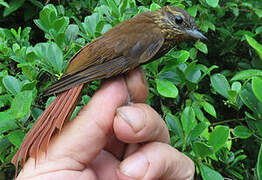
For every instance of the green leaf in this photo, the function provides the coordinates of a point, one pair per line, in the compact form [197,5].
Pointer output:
[90,24]
[246,74]
[198,130]
[188,120]
[37,3]
[201,47]
[113,6]
[258,12]
[21,104]
[181,56]
[71,33]
[202,150]
[257,87]
[12,84]
[51,55]
[16,137]
[199,113]
[250,100]
[13,6]
[259,163]
[193,73]
[36,112]
[166,88]
[7,124]
[29,71]
[4,143]
[154,6]
[4,3]
[259,30]
[61,24]
[220,84]
[209,108]
[192,11]
[212,3]
[123,7]
[207,173]
[175,125]
[29,85]
[219,137]
[236,86]
[242,132]
[254,44]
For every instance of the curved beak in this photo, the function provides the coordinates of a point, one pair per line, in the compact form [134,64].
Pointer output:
[195,34]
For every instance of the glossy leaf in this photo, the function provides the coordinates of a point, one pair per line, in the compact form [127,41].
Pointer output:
[198,130]
[250,100]
[166,88]
[212,3]
[7,123]
[181,56]
[207,173]
[257,87]
[154,6]
[236,86]
[16,137]
[219,137]
[188,120]
[13,6]
[209,108]
[174,124]
[202,150]
[201,47]
[247,74]
[254,44]
[21,104]
[12,84]
[193,73]
[242,132]
[51,55]
[192,11]
[220,84]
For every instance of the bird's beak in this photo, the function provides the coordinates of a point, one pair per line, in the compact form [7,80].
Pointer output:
[195,34]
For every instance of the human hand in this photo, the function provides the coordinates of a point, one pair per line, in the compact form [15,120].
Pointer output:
[110,141]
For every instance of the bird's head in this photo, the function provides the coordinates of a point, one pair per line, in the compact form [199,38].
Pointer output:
[177,22]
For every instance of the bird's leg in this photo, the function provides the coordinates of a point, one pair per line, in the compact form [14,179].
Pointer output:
[129,99]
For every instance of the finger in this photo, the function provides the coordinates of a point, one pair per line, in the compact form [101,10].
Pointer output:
[115,146]
[157,161]
[84,137]
[137,86]
[105,165]
[139,123]
[136,123]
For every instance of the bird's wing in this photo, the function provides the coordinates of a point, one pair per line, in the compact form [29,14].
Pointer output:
[120,49]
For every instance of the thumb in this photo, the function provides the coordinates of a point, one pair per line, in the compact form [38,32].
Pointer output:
[82,138]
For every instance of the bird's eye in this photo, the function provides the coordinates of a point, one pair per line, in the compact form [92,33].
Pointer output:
[179,20]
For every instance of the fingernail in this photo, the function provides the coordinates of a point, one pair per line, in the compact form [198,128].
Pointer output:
[133,116]
[135,166]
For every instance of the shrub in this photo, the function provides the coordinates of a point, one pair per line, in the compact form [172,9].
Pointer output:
[208,92]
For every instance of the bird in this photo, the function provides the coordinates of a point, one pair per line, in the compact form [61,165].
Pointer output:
[136,41]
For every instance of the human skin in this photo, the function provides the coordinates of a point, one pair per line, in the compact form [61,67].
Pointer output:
[109,139]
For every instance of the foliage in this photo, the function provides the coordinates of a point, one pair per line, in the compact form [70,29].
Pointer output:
[208,92]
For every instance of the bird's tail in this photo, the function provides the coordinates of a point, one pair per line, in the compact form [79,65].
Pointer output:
[37,139]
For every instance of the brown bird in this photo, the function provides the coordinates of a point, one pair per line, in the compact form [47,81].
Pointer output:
[141,39]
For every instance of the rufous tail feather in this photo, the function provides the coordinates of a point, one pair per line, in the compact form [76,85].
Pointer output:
[37,139]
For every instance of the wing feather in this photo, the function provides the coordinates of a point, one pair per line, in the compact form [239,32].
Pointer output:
[122,48]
